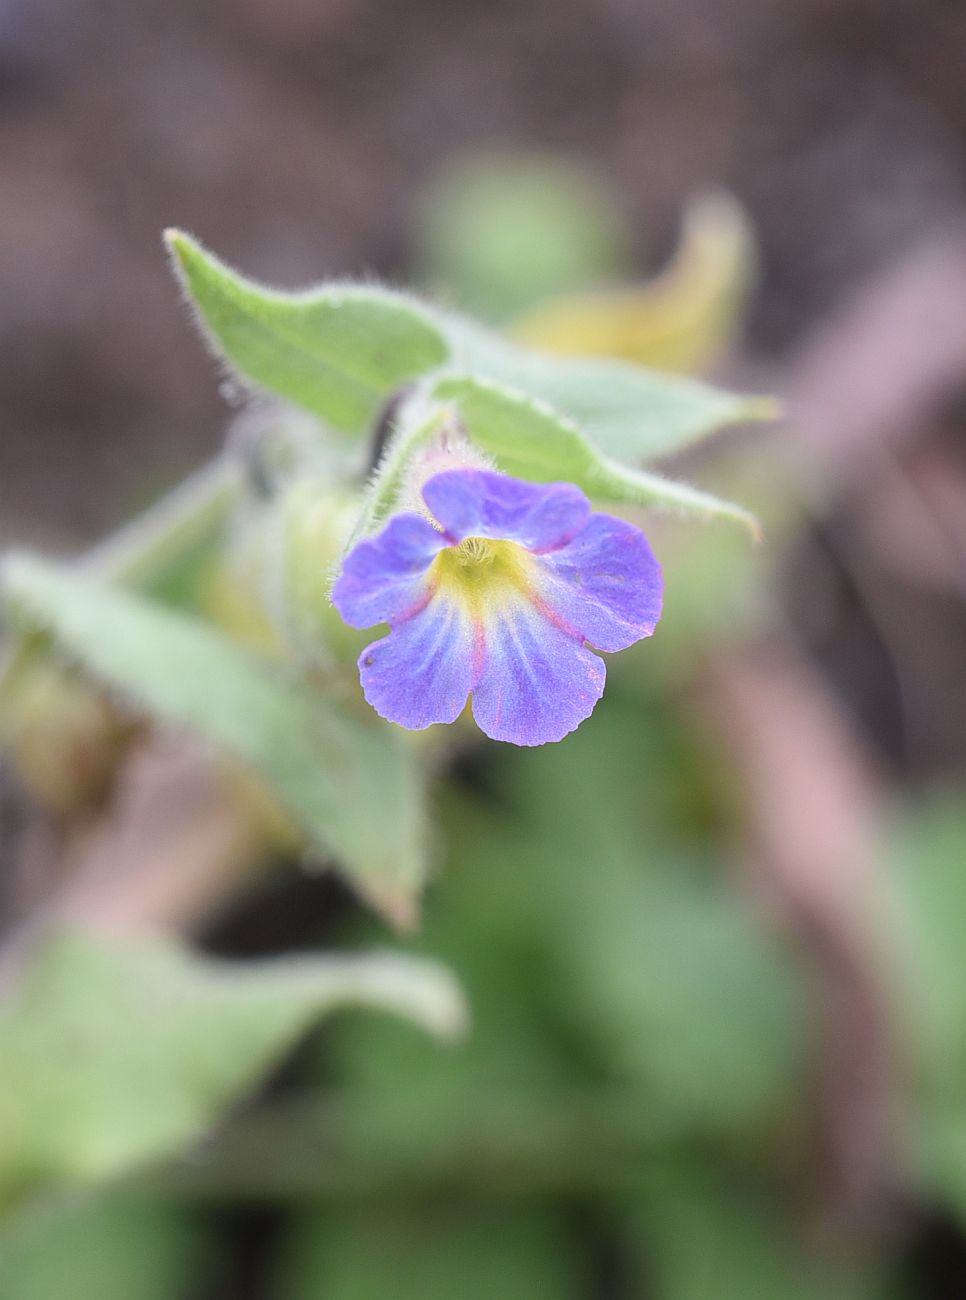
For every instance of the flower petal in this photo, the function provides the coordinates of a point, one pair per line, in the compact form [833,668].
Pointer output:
[537,683]
[422,672]
[482,503]
[605,584]
[383,580]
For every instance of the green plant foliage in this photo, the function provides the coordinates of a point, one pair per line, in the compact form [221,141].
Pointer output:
[628,412]
[106,1248]
[680,320]
[597,952]
[160,551]
[113,1056]
[928,851]
[368,1255]
[530,439]
[697,1232]
[629,1012]
[501,231]
[349,781]
[339,351]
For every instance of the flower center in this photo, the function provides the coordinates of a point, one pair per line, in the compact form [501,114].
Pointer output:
[480,569]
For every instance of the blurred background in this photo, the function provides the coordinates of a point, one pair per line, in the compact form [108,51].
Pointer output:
[720,1052]
[297,136]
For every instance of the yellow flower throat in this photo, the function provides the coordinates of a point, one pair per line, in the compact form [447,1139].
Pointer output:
[479,571]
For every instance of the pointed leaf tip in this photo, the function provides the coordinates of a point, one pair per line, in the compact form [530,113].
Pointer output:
[338,350]
[161,1042]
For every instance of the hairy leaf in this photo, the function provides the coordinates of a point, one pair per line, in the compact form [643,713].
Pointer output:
[338,350]
[530,439]
[341,349]
[630,413]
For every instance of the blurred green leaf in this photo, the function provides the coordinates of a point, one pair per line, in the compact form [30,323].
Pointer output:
[699,1232]
[530,439]
[349,782]
[496,232]
[443,1254]
[680,320]
[107,1248]
[927,847]
[671,978]
[598,947]
[160,551]
[338,351]
[928,850]
[112,1056]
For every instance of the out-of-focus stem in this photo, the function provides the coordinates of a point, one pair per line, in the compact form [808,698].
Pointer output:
[139,553]
[320,1145]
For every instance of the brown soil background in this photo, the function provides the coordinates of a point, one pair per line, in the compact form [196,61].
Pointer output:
[292,136]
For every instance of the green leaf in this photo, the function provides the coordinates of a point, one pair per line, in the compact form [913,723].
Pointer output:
[349,782]
[530,439]
[90,1248]
[628,412]
[927,845]
[115,1055]
[503,230]
[597,946]
[338,350]
[341,349]
[372,1252]
[700,1229]
[927,909]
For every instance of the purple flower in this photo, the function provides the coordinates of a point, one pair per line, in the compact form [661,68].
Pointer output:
[498,600]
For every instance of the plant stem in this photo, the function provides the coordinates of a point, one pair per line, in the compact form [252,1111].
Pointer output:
[141,552]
